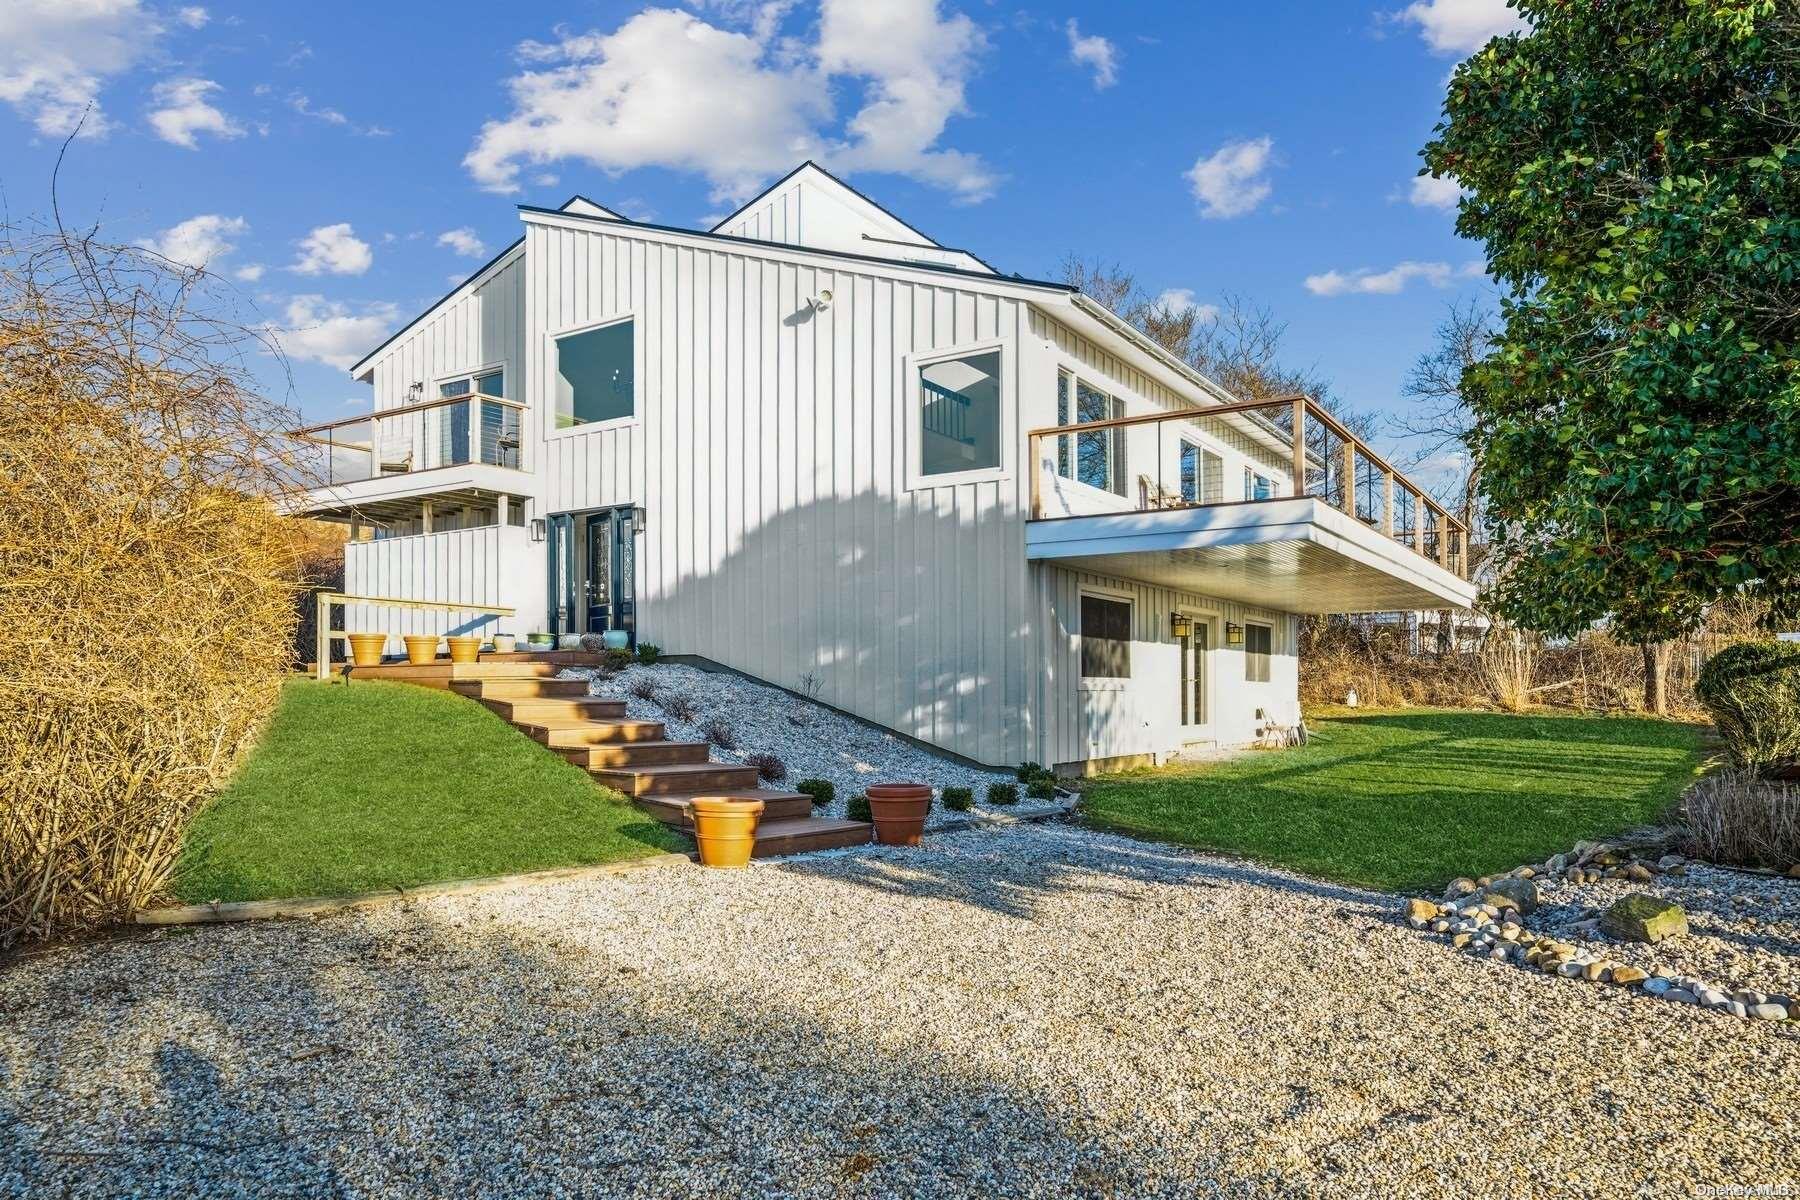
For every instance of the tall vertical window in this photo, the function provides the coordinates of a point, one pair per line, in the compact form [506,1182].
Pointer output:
[453,419]
[1105,638]
[959,414]
[1258,645]
[1193,475]
[1258,487]
[1096,459]
[594,375]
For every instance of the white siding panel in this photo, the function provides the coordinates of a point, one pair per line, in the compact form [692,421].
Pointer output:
[491,564]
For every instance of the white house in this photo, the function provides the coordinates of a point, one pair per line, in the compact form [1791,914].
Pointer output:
[814,445]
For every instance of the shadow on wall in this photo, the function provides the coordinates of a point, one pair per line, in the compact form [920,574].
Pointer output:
[910,612]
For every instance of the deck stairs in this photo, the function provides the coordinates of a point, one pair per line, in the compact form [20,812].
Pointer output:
[630,756]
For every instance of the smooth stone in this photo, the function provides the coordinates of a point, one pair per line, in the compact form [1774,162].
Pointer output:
[1421,910]
[1659,986]
[1769,1012]
[1644,918]
[1738,1009]
[1681,996]
[1626,976]
[1639,872]
[1461,887]
[1460,940]
[1572,970]
[1520,894]
[1594,971]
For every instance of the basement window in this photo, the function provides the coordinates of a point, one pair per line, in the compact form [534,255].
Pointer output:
[1105,638]
[595,378]
[1258,644]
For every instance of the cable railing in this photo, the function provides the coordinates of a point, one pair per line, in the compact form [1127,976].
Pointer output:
[1278,450]
[448,432]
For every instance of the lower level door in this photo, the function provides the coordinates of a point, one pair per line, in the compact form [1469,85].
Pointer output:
[609,594]
[1196,704]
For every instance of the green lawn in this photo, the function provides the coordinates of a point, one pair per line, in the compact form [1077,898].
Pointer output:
[1409,799]
[371,785]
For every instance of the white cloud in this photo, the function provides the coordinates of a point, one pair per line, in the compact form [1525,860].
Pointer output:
[249,272]
[1094,52]
[1182,299]
[737,105]
[302,104]
[333,250]
[1233,180]
[193,16]
[198,241]
[1461,26]
[55,55]
[463,241]
[185,110]
[1369,282]
[314,329]
[1431,192]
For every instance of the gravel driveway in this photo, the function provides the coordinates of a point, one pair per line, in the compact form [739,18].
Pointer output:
[1030,1011]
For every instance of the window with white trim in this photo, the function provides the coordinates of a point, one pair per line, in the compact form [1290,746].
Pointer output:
[1258,646]
[959,414]
[1096,459]
[595,375]
[1105,637]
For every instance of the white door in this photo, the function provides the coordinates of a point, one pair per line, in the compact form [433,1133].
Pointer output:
[1195,701]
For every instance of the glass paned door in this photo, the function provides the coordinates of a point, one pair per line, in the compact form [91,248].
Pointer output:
[1195,711]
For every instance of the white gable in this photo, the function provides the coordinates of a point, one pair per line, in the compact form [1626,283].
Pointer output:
[811,208]
[587,208]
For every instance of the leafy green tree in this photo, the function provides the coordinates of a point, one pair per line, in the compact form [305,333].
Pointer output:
[1631,167]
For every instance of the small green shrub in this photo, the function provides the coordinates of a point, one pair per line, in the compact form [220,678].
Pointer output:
[615,659]
[1003,793]
[1752,690]
[857,808]
[959,799]
[822,791]
[1029,771]
[648,653]
[1042,788]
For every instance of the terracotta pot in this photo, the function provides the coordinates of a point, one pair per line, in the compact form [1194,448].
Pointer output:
[899,811]
[421,648]
[504,643]
[725,829]
[366,649]
[465,648]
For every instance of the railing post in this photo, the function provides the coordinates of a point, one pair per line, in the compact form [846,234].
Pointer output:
[1037,476]
[1418,529]
[322,636]
[1299,445]
[1350,477]
[1443,545]
[1387,504]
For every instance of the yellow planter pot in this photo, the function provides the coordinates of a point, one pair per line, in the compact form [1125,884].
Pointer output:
[421,649]
[725,829]
[366,649]
[464,649]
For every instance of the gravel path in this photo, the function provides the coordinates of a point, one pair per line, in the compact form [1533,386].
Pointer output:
[1030,1011]
[811,740]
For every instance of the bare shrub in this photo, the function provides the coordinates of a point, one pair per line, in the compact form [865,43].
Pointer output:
[769,768]
[1733,816]
[148,582]
[720,734]
[643,686]
[677,704]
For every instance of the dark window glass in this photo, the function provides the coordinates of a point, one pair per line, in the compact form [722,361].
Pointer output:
[1105,638]
[1190,473]
[594,380]
[1258,642]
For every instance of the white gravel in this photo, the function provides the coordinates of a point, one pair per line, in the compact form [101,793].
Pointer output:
[1035,1011]
[813,741]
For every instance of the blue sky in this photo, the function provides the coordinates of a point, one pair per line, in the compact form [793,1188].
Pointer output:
[341,162]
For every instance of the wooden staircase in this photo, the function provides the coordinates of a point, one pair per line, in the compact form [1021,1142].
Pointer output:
[630,756]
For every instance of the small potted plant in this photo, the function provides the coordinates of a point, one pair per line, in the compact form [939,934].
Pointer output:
[505,643]
[899,811]
[421,648]
[366,649]
[465,647]
[725,829]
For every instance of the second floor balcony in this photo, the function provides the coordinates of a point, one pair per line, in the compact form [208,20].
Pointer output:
[451,431]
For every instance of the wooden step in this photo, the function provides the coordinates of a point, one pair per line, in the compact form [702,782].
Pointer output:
[536,711]
[443,672]
[689,778]
[797,836]
[565,732]
[520,689]
[636,755]
[672,809]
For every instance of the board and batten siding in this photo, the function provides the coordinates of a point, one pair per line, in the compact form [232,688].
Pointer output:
[490,564]
[770,450]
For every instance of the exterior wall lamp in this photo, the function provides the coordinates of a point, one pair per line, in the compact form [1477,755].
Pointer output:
[537,529]
[638,519]
[1181,626]
[1234,634]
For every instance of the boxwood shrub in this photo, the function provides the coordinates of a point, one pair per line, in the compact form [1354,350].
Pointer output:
[1752,690]
[822,791]
[959,799]
[857,808]
[1003,793]
[1041,788]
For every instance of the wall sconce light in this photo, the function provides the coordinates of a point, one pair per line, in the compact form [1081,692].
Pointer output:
[1181,626]
[537,529]
[1234,634]
[822,301]
[638,519]
[416,392]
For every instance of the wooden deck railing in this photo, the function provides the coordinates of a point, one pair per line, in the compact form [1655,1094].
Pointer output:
[396,441]
[330,600]
[1318,454]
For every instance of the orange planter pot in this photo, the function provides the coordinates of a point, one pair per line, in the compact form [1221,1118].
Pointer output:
[366,649]
[421,649]
[725,829]
[899,811]
[464,648]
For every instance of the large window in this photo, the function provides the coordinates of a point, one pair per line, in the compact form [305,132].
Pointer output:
[1105,638]
[959,414]
[1258,644]
[1258,486]
[594,380]
[1096,459]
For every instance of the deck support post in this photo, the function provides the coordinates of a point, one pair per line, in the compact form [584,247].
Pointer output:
[1349,477]
[1300,445]
[1037,475]
[1387,503]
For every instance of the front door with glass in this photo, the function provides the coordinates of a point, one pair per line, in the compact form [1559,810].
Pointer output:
[1195,704]
[593,571]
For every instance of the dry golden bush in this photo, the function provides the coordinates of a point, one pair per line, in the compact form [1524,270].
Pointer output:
[146,576]
[1735,816]
[1508,660]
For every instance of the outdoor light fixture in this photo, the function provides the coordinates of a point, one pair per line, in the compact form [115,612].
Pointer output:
[822,301]
[1181,626]
[1234,634]
[416,392]
[638,518]
[537,529]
